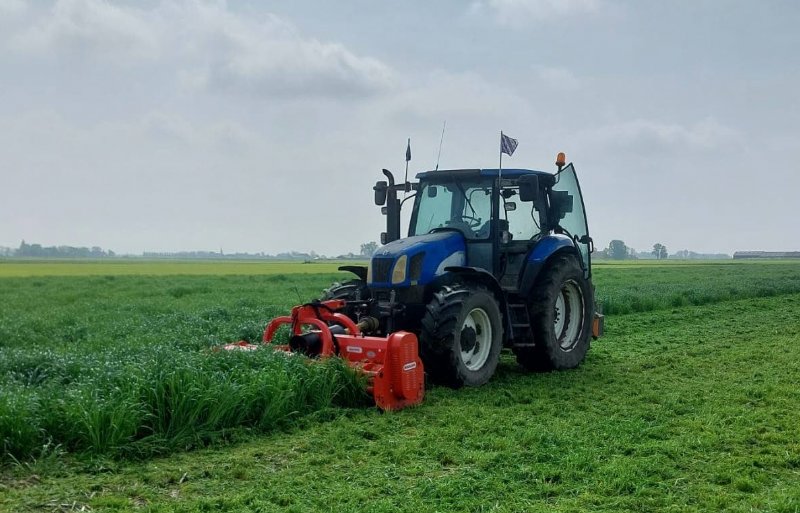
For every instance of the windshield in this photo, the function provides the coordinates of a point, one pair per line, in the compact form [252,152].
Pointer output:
[465,206]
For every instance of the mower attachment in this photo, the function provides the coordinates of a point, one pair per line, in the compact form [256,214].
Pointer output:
[392,364]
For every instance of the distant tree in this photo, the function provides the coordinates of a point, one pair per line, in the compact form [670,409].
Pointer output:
[368,248]
[617,250]
[659,251]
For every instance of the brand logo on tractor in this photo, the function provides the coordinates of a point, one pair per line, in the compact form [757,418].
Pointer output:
[409,366]
[354,349]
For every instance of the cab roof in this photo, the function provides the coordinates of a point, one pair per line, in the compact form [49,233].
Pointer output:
[468,173]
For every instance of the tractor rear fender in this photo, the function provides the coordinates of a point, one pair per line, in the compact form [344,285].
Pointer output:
[358,270]
[541,254]
[481,277]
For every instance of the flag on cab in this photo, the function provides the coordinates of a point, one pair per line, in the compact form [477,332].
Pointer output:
[507,144]
[408,151]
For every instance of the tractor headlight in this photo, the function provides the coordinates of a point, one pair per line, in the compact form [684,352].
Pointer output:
[399,271]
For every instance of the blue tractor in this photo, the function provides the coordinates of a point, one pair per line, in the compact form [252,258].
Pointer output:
[493,259]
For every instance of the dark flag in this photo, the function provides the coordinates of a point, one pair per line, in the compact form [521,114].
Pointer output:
[507,144]
[408,151]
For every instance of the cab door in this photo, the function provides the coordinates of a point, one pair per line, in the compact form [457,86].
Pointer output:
[574,220]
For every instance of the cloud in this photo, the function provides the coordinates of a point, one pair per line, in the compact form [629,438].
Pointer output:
[168,128]
[646,135]
[90,26]
[208,46]
[9,8]
[519,13]
[444,95]
[558,78]
[257,64]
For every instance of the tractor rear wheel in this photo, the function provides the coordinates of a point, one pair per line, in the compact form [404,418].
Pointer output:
[461,336]
[561,310]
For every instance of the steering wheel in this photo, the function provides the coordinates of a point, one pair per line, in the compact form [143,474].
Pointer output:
[472,222]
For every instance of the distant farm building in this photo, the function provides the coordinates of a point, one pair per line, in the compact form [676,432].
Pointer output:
[766,254]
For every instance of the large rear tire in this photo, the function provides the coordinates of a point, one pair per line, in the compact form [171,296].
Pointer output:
[461,336]
[561,311]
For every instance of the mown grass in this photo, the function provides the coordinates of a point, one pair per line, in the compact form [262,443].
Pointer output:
[679,409]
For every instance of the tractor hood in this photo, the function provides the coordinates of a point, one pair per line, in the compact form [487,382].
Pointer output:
[416,260]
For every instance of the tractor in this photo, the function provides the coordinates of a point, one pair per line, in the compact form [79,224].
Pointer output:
[494,258]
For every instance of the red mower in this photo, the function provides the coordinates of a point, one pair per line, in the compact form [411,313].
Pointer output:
[318,330]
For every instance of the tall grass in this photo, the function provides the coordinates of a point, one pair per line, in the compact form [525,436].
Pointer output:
[633,288]
[123,366]
[162,399]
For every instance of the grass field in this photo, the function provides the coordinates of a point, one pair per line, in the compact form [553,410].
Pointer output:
[128,267]
[688,404]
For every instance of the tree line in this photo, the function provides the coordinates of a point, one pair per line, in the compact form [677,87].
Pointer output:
[37,250]
[26,250]
[618,250]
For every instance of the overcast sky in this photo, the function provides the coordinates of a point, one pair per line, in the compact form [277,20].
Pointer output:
[262,126]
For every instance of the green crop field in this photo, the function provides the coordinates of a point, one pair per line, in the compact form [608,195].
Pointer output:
[111,400]
[124,267]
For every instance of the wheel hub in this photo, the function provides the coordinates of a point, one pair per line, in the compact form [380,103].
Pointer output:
[568,315]
[476,339]
[469,339]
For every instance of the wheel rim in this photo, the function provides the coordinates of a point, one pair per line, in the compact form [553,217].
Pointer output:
[568,315]
[475,357]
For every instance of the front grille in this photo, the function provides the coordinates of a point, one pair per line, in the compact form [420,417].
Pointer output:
[381,267]
[415,268]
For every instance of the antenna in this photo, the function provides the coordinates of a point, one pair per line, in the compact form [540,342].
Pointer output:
[406,185]
[440,145]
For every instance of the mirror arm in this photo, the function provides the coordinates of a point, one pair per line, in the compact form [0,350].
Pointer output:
[407,198]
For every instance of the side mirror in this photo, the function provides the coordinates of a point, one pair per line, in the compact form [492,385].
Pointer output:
[510,206]
[528,187]
[383,238]
[432,191]
[381,188]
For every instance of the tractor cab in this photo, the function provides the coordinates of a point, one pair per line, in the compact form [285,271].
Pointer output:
[495,218]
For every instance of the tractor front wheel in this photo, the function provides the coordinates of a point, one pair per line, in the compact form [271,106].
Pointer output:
[461,336]
[561,308]
[351,290]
